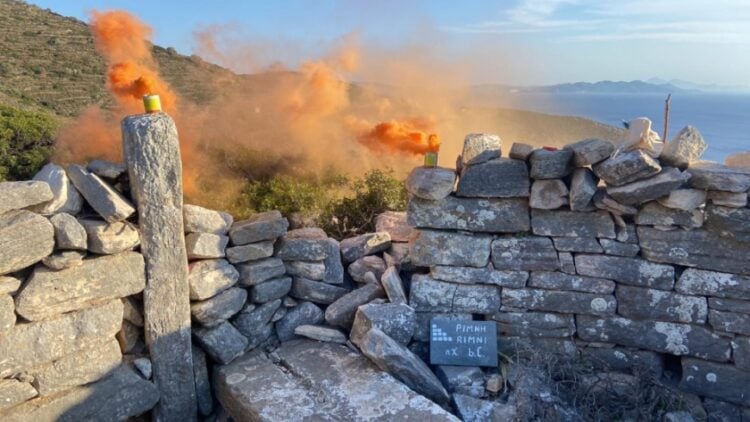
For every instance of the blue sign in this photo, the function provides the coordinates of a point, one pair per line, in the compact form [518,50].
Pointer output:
[463,343]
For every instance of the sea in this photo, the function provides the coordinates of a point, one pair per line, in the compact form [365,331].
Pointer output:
[722,119]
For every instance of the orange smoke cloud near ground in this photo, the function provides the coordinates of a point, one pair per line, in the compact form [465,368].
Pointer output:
[415,136]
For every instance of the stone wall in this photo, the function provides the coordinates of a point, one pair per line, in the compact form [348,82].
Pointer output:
[588,252]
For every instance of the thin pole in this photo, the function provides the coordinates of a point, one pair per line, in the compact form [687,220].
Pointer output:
[666,116]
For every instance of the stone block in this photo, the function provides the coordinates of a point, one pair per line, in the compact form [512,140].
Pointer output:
[547,164]
[633,271]
[19,195]
[25,238]
[316,291]
[262,226]
[13,392]
[205,245]
[250,252]
[69,233]
[431,247]
[106,169]
[626,360]
[660,305]
[655,214]
[730,305]
[471,214]
[219,308]
[649,189]
[306,269]
[7,313]
[397,321]
[251,323]
[583,186]
[727,199]
[202,382]
[429,295]
[321,333]
[486,275]
[360,246]
[548,194]
[203,220]
[64,259]
[577,244]
[534,324]
[498,178]
[561,281]
[572,224]
[48,293]
[270,290]
[711,283]
[590,151]
[393,286]
[730,322]
[306,313]
[684,149]
[627,167]
[684,199]
[613,247]
[341,313]
[394,223]
[110,238]
[715,380]
[252,273]
[520,151]
[741,352]
[729,222]
[106,201]
[530,253]
[707,175]
[559,301]
[368,264]
[480,147]
[65,197]
[223,343]
[432,183]
[210,277]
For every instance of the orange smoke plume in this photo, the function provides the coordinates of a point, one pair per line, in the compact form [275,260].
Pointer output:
[412,135]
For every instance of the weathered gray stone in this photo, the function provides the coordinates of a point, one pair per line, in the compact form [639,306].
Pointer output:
[270,290]
[9,285]
[570,223]
[613,247]
[143,365]
[721,411]
[297,245]
[222,342]
[13,392]
[524,254]
[625,360]
[422,331]
[710,283]
[486,275]
[202,382]
[130,338]
[713,176]
[741,352]
[696,248]
[306,313]
[684,149]
[37,343]
[81,367]
[498,178]
[577,244]
[398,256]
[582,189]
[429,295]
[731,305]
[605,202]
[715,380]
[25,238]
[250,252]
[202,220]
[152,155]
[219,308]
[262,226]
[649,189]
[106,169]
[663,337]
[7,313]
[334,267]
[19,195]
[120,396]
[641,303]
[65,197]
[367,264]
[205,245]
[684,199]
[279,313]
[480,147]
[456,379]
[520,151]
[471,409]
[433,183]
[655,214]
[561,281]
[443,248]
[210,277]
[404,365]
[251,323]
[567,263]
[110,238]
[306,269]
[320,333]
[546,164]
[398,321]
[727,199]
[393,286]
[394,223]
[242,387]
[548,194]
[69,233]
[132,310]
[627,233]
[357,247]
[590,151]
[730,322]
[534,324]
[627,167]
[341,312]
[729,222]
[64,259]
[252,273]
[472,214]
[316,291]
[559,301]
[48,293]
[106,201]
[632,271]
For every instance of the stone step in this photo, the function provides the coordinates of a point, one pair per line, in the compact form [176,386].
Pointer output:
[317,381]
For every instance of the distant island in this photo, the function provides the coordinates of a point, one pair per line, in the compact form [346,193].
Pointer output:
[650,86]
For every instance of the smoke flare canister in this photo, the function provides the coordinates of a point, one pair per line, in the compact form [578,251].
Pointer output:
[152,103]
[431,159]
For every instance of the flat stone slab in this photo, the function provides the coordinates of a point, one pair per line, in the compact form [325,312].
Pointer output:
[713,176]
[263,226]
[344,383]
[210,277]
[486,275]
[626,168]
[660,305]
[480,147]
[395,224]
[472,214]
[716,380]
[65,197]
[69,233]
[106,201]
[19,195]
[110,238]
[711,283]
[429,295]
[396,320]
[655,214]
[547,164]
[590,151]
[685,148]
[571,223]
[432,247]
[203,220]
[341,313]
[696,248]
[431,183]
[498,178]
[531,253]
[583,186]
[25,238]
[633,271]
[560,301]
[250,252]
[649,189]
[535,324]
[729,222]
[252,273]
[556,280]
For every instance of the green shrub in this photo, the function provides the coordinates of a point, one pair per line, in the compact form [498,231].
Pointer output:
[287,194]
[26,140]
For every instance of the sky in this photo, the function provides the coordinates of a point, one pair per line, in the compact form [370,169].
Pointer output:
[518,42]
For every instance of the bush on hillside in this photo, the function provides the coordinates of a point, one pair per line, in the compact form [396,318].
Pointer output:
[26,140]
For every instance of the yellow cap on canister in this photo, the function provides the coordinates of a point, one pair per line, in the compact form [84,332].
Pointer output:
[152,103]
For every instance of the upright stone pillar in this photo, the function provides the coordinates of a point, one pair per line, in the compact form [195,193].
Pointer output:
[152,154]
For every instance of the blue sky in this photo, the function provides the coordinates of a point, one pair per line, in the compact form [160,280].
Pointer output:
[516,42]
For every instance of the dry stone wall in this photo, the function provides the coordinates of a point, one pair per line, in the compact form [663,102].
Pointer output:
[591,252]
